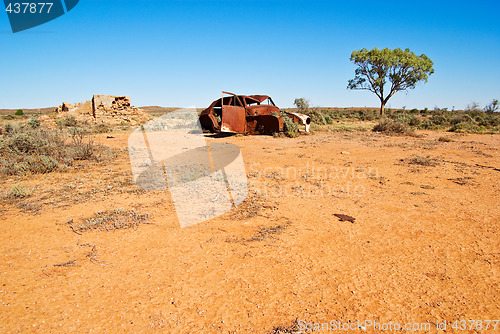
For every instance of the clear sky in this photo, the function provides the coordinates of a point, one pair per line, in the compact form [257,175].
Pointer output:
[184,53]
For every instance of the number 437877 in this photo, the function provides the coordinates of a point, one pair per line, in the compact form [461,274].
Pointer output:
[29,7]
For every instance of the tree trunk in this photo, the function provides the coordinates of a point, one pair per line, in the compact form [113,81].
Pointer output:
[382,108]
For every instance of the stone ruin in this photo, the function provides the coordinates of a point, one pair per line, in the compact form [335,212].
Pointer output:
[109,104]
[108,109]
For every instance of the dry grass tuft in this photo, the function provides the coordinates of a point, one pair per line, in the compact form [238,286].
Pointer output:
[422,161]
[117,219]
[292,329]
[446,139]
[71,263]
[267,232]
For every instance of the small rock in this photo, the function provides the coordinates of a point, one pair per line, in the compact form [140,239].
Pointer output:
[345,218]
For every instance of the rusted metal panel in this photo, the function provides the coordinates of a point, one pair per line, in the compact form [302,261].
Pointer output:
[233,119]
[246,114]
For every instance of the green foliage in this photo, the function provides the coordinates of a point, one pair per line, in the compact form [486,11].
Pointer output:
[464,127]
[397,69]
[475,120]
[302,105]
[319,117]
[289,127]
[19,112]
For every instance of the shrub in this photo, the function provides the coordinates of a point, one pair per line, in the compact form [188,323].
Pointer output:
[302,104]
[8,128]
[19,112]
[411,120]
[8,117]
[389,126]
[68,121]
[439,119]
[34,123]
[32,151]
[101,128]
[429,125]
[291,129]
[29,164]
[464,127]
[318,117]
[492,120]
[19,191]
[445,139]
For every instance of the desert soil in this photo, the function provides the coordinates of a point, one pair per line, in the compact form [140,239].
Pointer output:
[424,246]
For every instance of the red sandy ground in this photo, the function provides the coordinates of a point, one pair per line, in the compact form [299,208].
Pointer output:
[424,246]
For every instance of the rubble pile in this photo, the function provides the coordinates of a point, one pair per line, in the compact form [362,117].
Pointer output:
[107,109]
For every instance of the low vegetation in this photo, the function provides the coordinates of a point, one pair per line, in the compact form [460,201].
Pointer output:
[393,127]
[32,149]
[110,220]
[471,120]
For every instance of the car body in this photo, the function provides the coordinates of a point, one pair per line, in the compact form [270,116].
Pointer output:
[247,114]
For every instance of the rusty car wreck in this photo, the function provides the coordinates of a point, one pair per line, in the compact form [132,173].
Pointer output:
[252,114]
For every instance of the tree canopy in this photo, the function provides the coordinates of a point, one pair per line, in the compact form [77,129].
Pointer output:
[386,72]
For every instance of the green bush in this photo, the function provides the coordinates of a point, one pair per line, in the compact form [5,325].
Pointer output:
[429,125]
[439,119]
[289,127]
[492,120]
[19,112]
[464,127]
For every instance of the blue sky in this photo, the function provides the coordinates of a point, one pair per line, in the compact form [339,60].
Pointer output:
[183,53]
